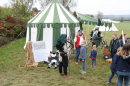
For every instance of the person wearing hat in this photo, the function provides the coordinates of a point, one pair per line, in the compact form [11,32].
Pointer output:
[63,50]
[77,44]
[96,37]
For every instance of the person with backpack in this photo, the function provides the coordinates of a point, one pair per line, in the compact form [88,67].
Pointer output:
[112,44]
[119,43]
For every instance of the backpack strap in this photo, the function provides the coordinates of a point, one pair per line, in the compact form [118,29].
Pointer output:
[120,42]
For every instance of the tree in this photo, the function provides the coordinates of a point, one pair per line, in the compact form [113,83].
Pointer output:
[121,20]
[100,15]
[92,16]
[66,3]
[35,9]
[21,8]
[75,14]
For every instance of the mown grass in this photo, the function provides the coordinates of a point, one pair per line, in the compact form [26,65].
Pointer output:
[12,55]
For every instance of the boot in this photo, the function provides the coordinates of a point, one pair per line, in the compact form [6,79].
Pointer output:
[61,74]
[66,76]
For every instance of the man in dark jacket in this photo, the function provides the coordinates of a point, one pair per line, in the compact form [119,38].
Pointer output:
[112,44]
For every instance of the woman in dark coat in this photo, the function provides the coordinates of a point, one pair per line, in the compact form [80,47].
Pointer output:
[63,58]
[123,65]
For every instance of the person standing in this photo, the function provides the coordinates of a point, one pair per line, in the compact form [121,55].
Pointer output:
[93,56]
[119,43]
[83,53]
[123,65]
[112,44]
[63,58]
[77,44]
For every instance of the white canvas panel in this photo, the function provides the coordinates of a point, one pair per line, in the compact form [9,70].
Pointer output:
[48,38]
[33,34]
[63,31]
[41,15]
[61,15]
[50,16]
[72,17]
[27,37]
[76,30]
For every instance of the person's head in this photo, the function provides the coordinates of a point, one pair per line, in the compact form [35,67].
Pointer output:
[97,28]
[83,42]
[118,50]
[114,35]
[125,36]
[125,50]
[94,47]
[80,32]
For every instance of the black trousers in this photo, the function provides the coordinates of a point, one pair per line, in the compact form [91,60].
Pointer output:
[60,68]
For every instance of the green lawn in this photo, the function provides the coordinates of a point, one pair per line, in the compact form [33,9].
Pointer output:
[12,55]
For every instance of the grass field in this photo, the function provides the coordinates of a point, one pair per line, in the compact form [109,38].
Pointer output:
[12,55]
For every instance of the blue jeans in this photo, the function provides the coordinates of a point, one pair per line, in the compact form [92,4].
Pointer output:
[120,80]
[112,74]
[94,60]
[83,65]
[77,54]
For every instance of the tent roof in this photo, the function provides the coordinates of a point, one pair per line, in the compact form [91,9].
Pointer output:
[87,18]
[54,12]
[93,20]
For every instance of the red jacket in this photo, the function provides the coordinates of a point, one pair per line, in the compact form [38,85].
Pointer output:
[78,40]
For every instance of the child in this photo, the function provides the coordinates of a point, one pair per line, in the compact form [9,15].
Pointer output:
[113,66]
[123,65]
[83,53]
[93,55]
[112,44]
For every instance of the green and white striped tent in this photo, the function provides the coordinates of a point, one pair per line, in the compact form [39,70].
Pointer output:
[52,21]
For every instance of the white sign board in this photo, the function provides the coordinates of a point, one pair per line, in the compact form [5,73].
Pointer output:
[39,51]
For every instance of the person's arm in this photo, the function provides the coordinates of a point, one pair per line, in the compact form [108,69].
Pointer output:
[116,59]
[84,53]
[110,46]
[75,40]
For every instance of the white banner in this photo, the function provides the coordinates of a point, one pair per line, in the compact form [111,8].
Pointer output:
[39,51]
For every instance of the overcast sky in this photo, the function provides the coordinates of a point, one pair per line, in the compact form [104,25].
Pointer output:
[108,7]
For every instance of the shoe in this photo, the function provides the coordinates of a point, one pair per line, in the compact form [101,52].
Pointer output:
[76,63]
[94,66]
[83,72]
[108,82]
[61,74]
[66,76]
[55,68]
[91,66]
[48,67]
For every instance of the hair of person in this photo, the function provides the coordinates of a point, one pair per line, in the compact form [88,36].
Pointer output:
[94,46]
[121,36]
[84,41]
[118,50]
[115,34]
[125,50]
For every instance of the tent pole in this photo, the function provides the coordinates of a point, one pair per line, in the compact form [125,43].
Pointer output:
[88,26]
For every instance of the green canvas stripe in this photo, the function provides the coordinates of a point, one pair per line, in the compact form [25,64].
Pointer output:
[38,33]
[29,33]
[66,15]
[42,20]
[56,34]
[41,35]
[56,15]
